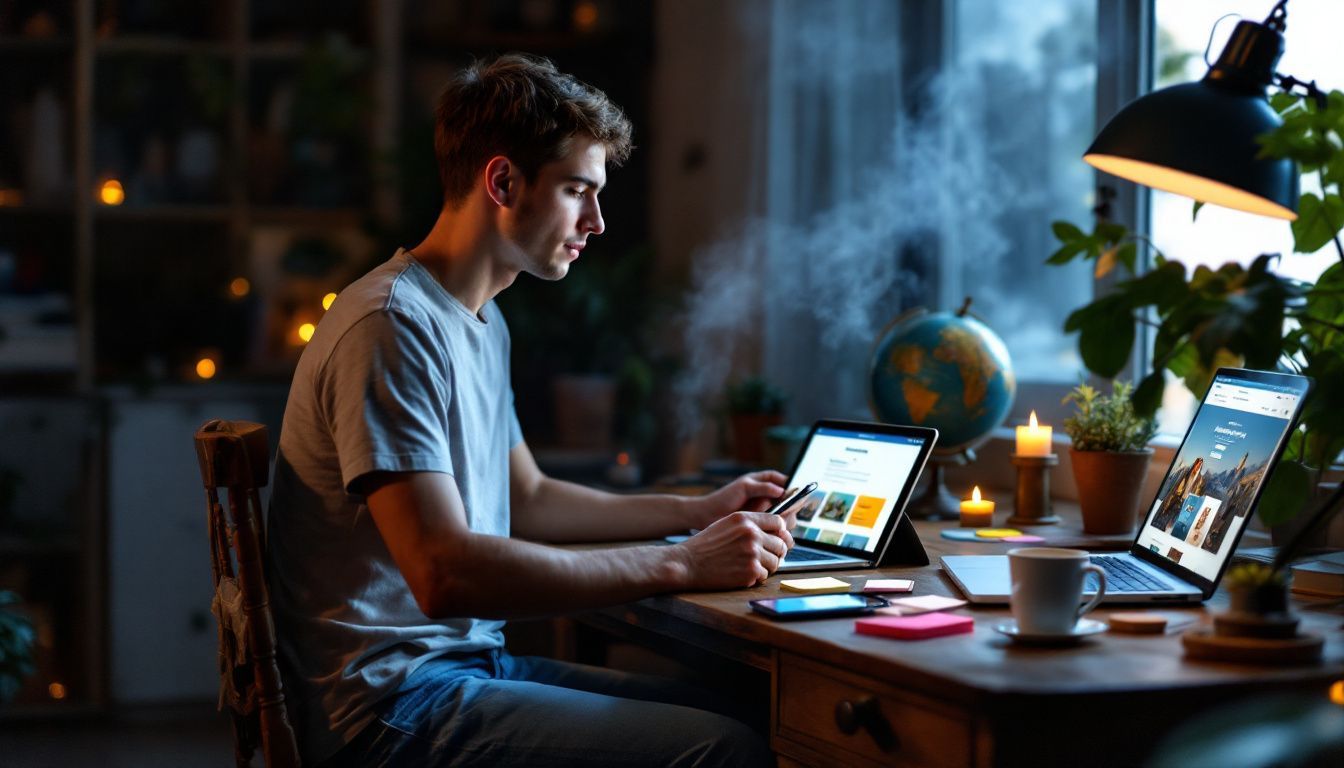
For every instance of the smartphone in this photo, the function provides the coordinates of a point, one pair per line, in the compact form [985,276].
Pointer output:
[791,500]
[817,606]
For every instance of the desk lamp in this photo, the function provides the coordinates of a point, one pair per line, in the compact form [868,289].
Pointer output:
[1199,139]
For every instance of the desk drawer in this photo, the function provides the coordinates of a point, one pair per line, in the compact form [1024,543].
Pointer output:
[887,727]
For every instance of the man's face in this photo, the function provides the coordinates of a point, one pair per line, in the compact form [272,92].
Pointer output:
[558,210]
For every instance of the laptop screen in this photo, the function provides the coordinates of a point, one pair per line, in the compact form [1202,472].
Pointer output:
[1207,496]
[862,476]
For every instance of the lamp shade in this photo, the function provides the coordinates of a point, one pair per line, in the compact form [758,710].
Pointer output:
[1199,139]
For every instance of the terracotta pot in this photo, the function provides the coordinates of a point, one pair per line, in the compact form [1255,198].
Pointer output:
[749,435]
[585,408]
[1109,484]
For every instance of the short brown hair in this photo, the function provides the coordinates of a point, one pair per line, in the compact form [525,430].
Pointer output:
[521,107]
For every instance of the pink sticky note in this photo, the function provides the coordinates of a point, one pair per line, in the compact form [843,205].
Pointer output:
[915,627]
[909,606]
[1025,538]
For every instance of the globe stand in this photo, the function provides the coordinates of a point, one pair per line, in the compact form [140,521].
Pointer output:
[936,503]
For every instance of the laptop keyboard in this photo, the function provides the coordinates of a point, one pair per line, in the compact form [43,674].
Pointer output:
[1123,576]
[805,555]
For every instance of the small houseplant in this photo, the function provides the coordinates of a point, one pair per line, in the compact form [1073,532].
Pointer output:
[1110,456]
[754,405]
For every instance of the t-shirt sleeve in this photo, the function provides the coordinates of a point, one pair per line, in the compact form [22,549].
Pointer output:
[384,395]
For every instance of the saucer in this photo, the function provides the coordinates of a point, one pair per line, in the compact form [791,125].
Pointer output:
[1082,629]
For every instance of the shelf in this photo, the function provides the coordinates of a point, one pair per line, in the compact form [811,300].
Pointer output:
[136,45]
[309,217]
[31,546]
[37,210]
[16,44]
[163,212]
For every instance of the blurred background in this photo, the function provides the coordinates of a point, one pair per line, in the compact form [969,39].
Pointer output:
[185,186]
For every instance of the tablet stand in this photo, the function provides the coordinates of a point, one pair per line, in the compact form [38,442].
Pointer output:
[905,548]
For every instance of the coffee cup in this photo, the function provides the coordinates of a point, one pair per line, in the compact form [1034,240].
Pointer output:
[1048,588]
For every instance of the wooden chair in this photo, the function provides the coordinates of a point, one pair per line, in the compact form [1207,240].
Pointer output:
[234,455]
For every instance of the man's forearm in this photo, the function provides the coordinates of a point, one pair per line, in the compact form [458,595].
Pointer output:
[561,512]
[500,578]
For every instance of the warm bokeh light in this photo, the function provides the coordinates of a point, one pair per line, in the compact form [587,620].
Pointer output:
[622,458]
[10,197]
[1189,185]
[111,193]
[585,15]
[306,332]
[1337,693]
[975,493]
[239,287]
[205,368]
[328,300]
[56,691]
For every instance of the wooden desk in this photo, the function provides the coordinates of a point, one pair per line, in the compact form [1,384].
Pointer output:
[966,700]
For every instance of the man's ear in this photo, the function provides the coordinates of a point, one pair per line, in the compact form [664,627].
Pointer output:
[501,181]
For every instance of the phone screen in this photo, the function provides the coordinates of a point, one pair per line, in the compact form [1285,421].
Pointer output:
[799,606]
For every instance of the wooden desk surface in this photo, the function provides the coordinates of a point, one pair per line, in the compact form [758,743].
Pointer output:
[1012,691]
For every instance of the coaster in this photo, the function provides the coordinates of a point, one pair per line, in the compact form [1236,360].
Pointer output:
[1202,644]
[1137,623]
[998,533]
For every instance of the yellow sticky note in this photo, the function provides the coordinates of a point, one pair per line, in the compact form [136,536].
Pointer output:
[997,533]
[818,586]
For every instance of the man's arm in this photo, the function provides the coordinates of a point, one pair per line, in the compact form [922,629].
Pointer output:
[546,509]
[455,572]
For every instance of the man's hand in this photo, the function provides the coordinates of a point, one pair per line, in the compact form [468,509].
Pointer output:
[753,492]
[740,550]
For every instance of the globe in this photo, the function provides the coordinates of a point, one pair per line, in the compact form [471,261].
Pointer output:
[945,370]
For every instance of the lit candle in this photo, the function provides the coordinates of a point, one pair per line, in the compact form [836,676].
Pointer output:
[977,512]
[1033,440]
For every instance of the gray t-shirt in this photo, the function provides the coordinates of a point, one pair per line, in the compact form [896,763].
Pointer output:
[400,376]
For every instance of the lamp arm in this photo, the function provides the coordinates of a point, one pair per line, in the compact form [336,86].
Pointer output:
[1290,551]
[1309,88]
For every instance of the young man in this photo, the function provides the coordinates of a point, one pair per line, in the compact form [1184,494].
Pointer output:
[406,503]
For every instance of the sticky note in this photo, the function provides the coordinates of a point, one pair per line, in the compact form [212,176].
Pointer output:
[819,586]
[997,533]
[960,534]
[915,627]
[888,585]
[910,606]
[1025,538]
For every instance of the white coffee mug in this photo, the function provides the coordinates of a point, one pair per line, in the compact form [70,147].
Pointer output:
[1048,587]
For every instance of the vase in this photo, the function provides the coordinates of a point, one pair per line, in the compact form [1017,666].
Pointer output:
[1109,484]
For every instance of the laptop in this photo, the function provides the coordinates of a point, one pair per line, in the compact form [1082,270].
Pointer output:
[865,474]
[1202,505]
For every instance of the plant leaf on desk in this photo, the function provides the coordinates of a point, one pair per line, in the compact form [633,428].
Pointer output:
[1314,225]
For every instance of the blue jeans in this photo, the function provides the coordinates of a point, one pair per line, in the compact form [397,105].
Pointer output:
[494,709]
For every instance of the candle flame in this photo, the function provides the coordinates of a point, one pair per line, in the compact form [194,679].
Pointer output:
[1032,422]
[975,493]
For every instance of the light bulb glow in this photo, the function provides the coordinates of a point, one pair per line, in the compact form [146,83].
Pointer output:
[205,368]
[306,332]
[110,192]
[1188,185]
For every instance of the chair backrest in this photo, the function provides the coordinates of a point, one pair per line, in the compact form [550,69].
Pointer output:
[234,456]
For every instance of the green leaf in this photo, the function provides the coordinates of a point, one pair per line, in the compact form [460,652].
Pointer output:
[1128,254]
[1148,397]
[1066,253]
[1106,337]
[1283,101]
[1066,232]
[1286,493]
[1194,212]
[1318,220]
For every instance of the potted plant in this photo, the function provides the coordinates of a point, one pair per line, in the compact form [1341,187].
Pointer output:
[1110,456]
[1237,315]
[16,647]
[754,405]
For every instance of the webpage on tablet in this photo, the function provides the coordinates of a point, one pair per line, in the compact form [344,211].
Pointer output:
[859,478]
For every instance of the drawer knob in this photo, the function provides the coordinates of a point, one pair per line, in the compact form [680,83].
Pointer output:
[865,713]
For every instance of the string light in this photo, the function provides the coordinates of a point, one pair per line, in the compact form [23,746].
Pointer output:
[239,287]
[205,368]
[327,300]
[306,332]
[110,192]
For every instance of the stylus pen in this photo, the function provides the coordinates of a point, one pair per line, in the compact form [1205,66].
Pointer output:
[783,505]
